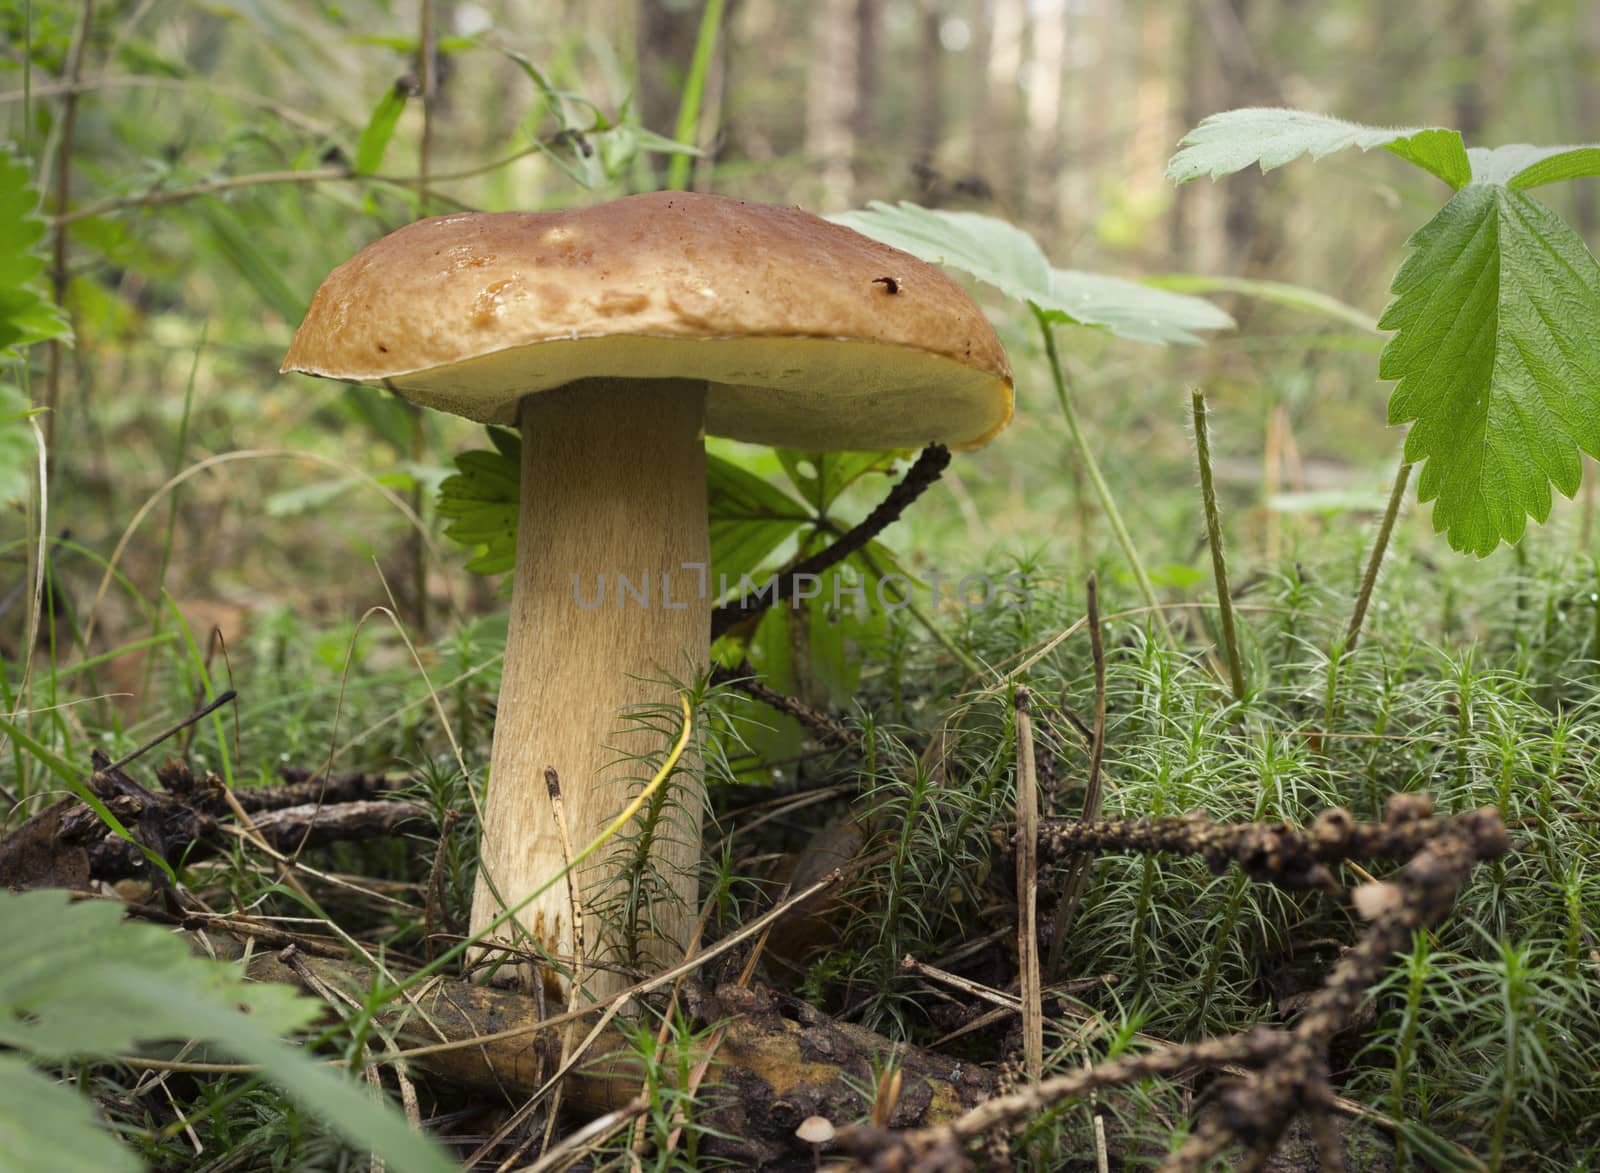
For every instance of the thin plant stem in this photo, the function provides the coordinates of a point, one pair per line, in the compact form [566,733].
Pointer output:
[1091,466]
[175,195]
[1219,560]
[428,83]
[58,267]
[694,88]
[1586,528]
[158,617]
[1029,984]
[1071,886]
[419,535]
[1379,547]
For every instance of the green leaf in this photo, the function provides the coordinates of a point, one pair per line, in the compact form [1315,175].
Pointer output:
[18,454]
[64,985]
[1231,141]
[240,246]
[1002,255]
[1521,166]
[749,520]
[822,476]
[481,500]
[1130,309]
[381,412]
[308,498]
[1497,355]
[379,130]
[46,1127]
[78,981]
[1277,292]
[27,315]
[660,144]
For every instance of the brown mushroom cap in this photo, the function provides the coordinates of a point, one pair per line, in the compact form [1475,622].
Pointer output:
[809,334]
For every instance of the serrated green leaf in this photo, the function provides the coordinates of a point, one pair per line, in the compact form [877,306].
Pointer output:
[46,1127]
[1000,254]
[379,130]
[484,525]
[1522,166]
[494,560]
[1497,358]
[27,315]
[76,980]
[1231,141]
[488,476]
[481,500]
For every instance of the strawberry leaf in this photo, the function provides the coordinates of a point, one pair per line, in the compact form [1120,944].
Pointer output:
[1497,354]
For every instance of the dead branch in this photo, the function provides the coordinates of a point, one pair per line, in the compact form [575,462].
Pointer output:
[67,845]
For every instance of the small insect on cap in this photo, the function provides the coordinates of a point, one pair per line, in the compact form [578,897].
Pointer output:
[807,333]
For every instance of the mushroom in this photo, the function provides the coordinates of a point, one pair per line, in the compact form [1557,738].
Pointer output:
[616,337]
[815,1131]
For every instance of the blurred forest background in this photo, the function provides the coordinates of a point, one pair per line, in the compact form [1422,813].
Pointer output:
[206,164]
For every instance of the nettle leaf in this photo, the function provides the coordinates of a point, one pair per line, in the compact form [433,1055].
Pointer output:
[79,981]
[1497,354]
[1231,141]
[27,315]
[1001,254]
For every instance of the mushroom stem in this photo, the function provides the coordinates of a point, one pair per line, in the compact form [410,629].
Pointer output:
[608,603]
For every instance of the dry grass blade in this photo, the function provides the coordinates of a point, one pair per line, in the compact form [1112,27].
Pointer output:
[1072,884]
[1028,893]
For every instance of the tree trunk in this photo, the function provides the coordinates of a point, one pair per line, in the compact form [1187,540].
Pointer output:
[831,97]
